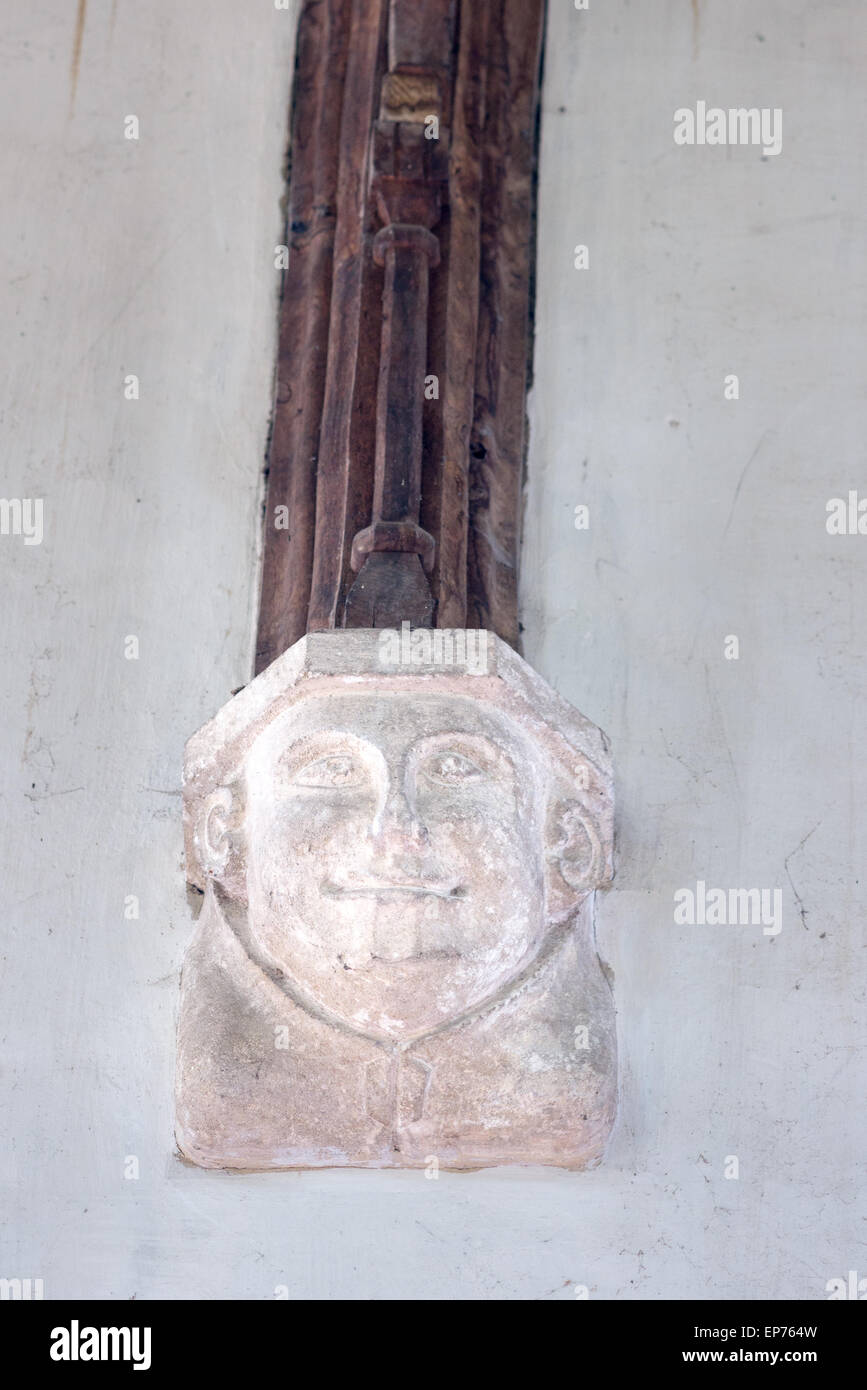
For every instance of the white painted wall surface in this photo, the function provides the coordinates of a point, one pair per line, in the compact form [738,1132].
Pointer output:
[155,257]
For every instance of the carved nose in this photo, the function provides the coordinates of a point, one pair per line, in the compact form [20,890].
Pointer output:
[396,822]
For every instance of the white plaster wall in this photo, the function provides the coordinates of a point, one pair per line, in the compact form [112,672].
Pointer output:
[707,518]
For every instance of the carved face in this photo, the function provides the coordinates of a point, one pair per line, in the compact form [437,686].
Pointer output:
[395,867]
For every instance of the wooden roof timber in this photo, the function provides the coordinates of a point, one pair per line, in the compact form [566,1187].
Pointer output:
[410,258]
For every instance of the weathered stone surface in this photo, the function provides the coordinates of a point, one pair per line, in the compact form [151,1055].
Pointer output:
[398,843]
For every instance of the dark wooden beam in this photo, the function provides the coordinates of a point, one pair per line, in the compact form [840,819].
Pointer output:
[287,563]
[410,259]
[347,443]
[498,442]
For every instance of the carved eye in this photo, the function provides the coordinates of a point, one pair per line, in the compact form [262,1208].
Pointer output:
[339,770]
[451,769]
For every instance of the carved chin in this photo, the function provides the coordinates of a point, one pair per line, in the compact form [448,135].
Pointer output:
[397,980]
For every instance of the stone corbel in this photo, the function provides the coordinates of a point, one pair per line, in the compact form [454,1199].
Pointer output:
[398,836]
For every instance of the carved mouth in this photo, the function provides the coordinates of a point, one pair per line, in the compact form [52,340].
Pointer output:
[438,954]
[386,889]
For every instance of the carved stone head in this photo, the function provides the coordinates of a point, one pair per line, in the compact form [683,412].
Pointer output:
[397,840]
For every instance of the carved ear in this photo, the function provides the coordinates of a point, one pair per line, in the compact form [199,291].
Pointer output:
[576,858]
[214,831]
